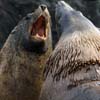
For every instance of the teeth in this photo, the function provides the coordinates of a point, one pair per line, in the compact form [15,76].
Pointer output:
[41,37]
[46,32]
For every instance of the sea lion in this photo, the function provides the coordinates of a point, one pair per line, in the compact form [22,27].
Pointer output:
[72,71]
[23,56]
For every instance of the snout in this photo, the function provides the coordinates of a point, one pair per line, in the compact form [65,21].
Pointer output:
[64,4]
[43,7]
[61,8]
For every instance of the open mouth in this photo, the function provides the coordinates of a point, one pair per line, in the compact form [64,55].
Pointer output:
[39,29]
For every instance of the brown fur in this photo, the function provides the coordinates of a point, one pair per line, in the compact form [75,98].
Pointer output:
[21,70]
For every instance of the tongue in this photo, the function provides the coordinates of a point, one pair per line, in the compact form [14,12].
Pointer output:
[39,27]
[41,31]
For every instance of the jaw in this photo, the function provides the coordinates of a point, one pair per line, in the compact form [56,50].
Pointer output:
[62,8]
[64,16]
[39,29]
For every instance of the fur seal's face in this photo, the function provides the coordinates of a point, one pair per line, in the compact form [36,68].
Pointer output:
[38,30]
[68,18]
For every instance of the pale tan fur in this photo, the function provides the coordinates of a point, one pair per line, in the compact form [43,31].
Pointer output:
[74,53]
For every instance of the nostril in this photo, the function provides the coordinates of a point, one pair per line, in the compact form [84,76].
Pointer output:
[43,7]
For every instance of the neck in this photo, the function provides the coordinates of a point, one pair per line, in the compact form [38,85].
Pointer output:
[92,73]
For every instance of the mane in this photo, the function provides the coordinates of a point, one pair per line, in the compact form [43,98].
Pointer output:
[74,53]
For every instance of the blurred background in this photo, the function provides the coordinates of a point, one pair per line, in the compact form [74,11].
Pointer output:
[11,11]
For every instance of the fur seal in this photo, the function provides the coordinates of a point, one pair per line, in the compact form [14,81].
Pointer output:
[23,56]
[72,72]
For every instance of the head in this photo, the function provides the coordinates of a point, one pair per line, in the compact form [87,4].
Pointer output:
[68,19]
[36,30]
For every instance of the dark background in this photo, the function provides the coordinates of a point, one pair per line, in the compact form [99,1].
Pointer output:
[11,11]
